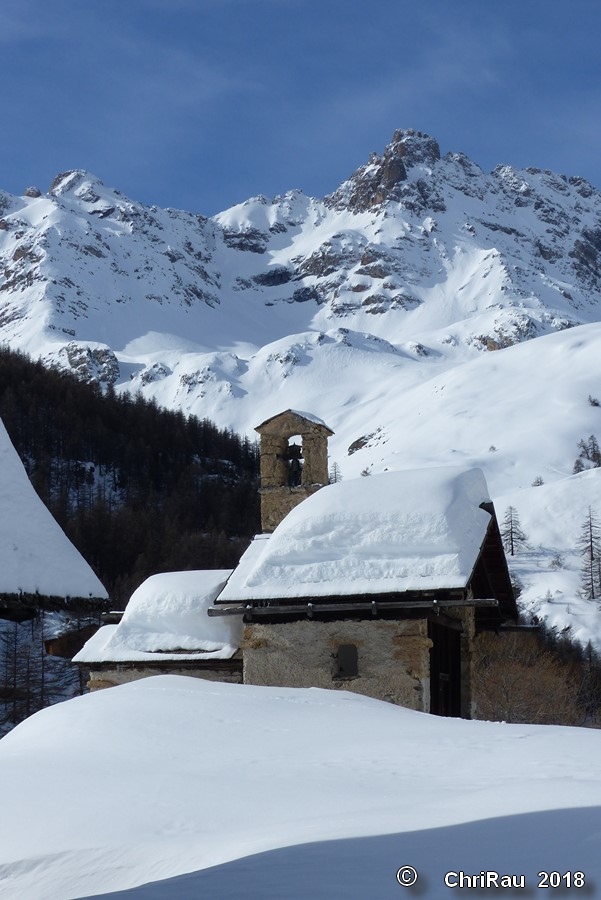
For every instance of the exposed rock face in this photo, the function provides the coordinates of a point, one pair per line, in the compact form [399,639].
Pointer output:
[379,180]
[273,277]
[154,372]
[64,180]
[251,240]
[415,147]
[586,254]
[92,363]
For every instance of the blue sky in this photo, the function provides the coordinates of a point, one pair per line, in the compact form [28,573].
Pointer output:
[200,104]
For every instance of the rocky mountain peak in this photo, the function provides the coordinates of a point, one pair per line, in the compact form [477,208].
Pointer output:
[66,181]
[81,186]
[374,183]
[413,147]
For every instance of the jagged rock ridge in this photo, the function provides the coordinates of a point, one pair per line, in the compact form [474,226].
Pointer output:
[419,256]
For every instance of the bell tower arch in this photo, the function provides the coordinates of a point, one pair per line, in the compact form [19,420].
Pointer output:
[294,463]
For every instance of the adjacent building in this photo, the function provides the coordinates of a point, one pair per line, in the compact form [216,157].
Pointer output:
[165,629]
[39,566]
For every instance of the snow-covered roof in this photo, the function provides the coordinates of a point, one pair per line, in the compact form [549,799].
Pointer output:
[309,416]
[295,414]
[166,615]
[399,531]
[36,557]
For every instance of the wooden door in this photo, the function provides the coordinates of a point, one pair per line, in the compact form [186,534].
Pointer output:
[445,670]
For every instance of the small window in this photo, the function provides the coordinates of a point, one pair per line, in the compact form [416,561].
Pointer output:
[348,661]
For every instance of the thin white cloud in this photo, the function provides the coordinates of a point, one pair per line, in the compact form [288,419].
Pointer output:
[23,21]
[448,69]
[181,77]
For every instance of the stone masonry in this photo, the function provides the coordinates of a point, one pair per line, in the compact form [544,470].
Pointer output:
[278,495]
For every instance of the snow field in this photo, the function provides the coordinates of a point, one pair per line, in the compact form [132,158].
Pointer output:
[169,775]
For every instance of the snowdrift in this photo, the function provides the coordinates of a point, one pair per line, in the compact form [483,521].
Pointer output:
[170,775]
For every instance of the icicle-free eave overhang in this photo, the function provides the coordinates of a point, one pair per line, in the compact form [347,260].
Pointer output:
[23,606]
[391,606]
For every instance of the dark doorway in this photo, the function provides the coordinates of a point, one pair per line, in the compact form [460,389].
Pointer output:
[445,670]
[348,661]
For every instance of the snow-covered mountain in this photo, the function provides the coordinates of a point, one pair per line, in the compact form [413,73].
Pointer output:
[425,310]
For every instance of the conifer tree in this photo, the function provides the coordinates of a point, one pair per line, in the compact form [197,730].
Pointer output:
[335,473]
[514,538]
[589,547]
[590,451]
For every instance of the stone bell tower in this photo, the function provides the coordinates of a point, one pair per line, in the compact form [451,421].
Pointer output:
[290,471]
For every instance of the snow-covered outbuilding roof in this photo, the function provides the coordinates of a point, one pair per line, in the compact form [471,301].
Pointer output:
[166,619]
[36,557]
[395,532]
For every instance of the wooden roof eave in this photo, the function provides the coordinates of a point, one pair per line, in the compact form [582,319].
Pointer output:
[438,594]
[31,604]
[491,563]
[388,605]
[233,664]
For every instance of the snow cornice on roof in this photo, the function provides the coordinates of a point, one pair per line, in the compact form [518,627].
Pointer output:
[400,534]
[105,650]
[166,621]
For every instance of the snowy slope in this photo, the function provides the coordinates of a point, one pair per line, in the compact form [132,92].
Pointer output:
[426,253]
[36,557]
[170,775]
[425,311]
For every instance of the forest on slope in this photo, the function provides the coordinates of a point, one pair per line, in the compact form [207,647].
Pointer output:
[137,489]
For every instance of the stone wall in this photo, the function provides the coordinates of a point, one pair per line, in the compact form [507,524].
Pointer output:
[123,674]
[274,471]
[393,657]
[277,496]
[275,435]
[276,503]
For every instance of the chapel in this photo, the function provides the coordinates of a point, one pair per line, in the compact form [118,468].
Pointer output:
[377,585]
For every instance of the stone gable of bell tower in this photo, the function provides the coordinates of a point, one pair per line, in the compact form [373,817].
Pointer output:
[294,463]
